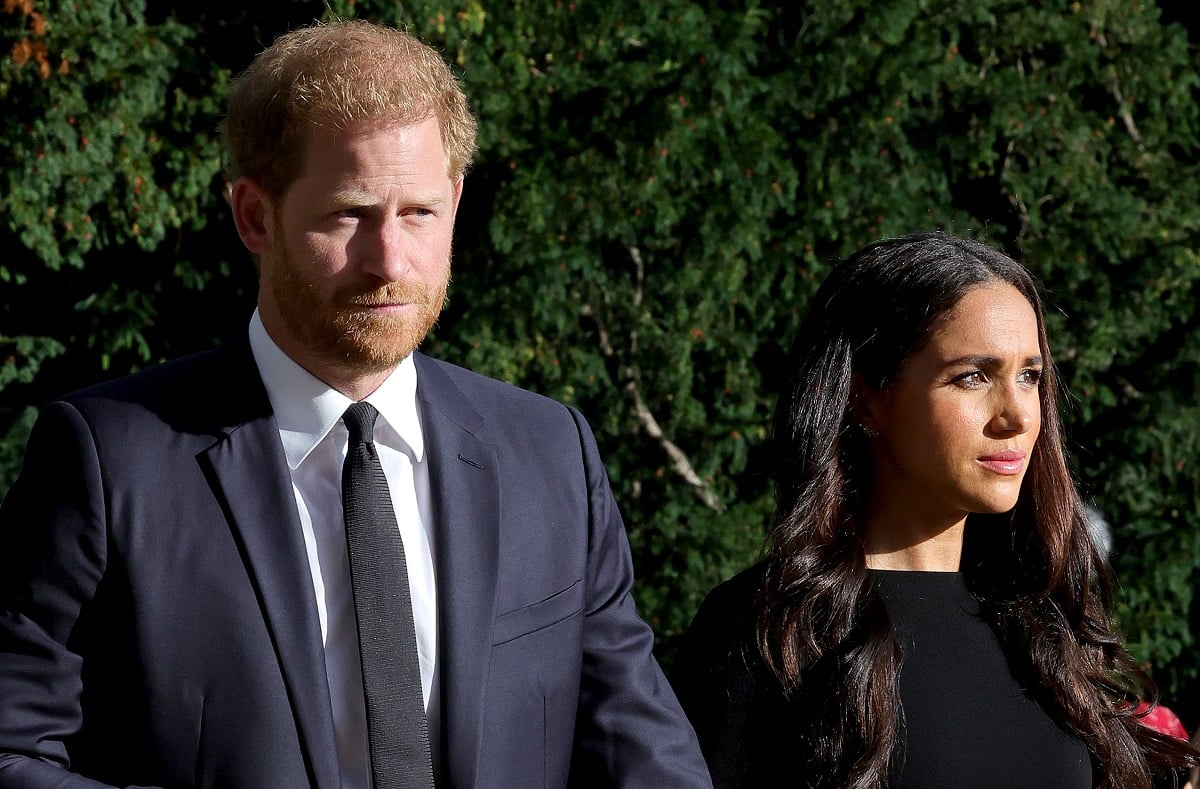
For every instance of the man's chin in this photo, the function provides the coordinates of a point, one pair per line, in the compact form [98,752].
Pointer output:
[379,344]
[377,353]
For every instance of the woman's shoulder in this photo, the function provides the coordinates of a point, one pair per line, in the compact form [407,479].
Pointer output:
[721,634]
[735,597]
[727,616]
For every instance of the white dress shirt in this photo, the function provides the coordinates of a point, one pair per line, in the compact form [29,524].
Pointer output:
[309,414]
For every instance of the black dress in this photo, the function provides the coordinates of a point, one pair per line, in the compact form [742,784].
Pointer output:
[967,720]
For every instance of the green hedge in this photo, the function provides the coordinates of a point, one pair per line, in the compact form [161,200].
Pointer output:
[659,188]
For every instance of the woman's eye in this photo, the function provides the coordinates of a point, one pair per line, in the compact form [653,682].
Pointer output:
[1031,377]
[972,379]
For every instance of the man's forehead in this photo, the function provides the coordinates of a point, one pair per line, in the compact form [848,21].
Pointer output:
[322,139]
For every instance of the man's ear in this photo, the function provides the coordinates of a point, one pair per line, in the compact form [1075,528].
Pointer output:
[458,187]
[253,215]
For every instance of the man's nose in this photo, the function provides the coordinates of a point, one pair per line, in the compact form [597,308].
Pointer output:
[386,251]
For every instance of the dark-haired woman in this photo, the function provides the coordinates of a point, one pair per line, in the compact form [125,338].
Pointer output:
[931,611]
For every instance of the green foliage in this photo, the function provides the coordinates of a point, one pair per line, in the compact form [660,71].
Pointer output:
[88,168]
[23,357]
[20,360]
[659,188]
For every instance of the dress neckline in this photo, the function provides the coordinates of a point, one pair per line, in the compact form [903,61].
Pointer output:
[900,585]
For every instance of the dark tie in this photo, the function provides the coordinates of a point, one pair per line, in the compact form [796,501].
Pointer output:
[396,728]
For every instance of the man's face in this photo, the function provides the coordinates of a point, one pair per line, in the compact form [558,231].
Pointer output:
[357,259]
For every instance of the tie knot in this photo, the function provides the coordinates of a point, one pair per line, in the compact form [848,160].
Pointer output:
[360,421]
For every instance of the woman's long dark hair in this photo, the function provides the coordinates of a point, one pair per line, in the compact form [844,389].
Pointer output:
[822,627]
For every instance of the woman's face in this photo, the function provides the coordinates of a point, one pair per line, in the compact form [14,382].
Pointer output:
[957,427]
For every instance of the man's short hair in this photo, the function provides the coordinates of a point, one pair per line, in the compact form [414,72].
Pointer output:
[331,75]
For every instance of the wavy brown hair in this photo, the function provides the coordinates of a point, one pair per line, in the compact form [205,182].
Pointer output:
[822,627]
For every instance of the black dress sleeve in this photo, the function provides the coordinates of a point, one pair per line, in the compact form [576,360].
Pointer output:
[727,692]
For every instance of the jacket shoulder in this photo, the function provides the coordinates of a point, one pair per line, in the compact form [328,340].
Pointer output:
[473,383]
[197,393]
[472,400]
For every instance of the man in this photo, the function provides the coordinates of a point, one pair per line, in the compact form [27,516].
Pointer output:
[180,577]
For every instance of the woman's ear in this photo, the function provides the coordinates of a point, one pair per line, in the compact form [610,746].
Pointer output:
[865,405]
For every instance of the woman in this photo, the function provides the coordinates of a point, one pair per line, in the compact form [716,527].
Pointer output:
[931,610]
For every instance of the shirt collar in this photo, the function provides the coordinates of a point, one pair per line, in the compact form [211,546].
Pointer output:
[307,409]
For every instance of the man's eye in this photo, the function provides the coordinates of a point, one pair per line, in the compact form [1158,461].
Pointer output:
[350,213]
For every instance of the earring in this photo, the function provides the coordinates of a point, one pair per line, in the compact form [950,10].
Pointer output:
[867,431]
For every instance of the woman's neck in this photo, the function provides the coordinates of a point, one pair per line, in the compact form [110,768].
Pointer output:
[907,540]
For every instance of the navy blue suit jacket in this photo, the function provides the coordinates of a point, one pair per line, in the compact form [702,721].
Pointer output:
[157,619]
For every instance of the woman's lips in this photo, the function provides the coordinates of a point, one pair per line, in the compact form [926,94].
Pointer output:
[1007,462]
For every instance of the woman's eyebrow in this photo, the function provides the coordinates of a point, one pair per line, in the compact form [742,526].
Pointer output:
[977,360]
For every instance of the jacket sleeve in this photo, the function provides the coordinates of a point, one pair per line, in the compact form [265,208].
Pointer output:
[52,560]
[630,730]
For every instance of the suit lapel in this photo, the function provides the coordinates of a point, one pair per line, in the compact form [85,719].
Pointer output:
[465,491]
[252,479]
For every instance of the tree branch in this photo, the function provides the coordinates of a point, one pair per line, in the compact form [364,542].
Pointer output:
[679,459]
[1123,107]
[683,466]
